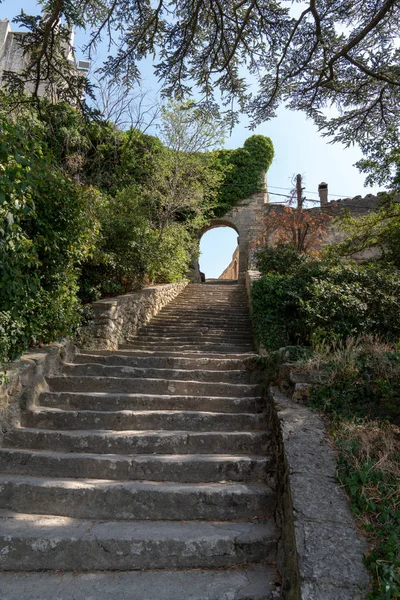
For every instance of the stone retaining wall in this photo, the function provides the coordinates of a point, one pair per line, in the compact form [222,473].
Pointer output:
[321,551]
[115,320]
[25,379]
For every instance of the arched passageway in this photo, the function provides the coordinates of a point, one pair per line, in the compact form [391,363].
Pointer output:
[219,253]
[245,220]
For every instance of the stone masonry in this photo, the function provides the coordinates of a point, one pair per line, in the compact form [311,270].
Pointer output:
[232,270]
[144,473]
[246,220]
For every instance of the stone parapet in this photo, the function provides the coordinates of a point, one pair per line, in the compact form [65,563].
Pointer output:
[251,276]
[321,550]
[25,379]
[115,320]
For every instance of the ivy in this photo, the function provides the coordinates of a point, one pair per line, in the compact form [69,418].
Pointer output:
[244,170]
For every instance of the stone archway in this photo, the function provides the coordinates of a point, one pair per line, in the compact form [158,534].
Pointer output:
[246,219]
[229,271]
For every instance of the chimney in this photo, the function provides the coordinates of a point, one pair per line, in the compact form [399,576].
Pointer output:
[323,193]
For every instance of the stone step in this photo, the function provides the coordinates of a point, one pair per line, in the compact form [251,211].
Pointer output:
[99,370]
[46,543]
[128,350]
[189,329]
[150,386]
[190,468]
[224,313]
[177,347]
[184,337]
[192,336]
[201,320]
[111,402]
[127,420]
[214,299]
[135,500]
[185,345]
[139,442]
[163,362]
[251,583]
[225,307]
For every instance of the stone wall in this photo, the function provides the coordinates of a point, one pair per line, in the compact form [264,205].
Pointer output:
[246,219]
[320,555]
[25,379]
[357,206]
[115,320]
[12,58]
[232,270]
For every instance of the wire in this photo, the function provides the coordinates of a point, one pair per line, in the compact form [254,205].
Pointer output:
[275,187]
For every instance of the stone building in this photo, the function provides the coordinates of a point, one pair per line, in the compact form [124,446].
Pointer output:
[12,58]
[232,270]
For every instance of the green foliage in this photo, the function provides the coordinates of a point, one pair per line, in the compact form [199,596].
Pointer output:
[93,150]
[373,490]
[361,397]
[281,259]
[132,249]
[379,229]
[87,211]
[363,382]
[45,232]
[326,301]
[244,170]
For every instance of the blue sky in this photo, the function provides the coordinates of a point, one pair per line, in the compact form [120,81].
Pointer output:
[299,148]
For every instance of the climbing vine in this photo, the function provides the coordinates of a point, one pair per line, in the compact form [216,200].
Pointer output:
[244,171]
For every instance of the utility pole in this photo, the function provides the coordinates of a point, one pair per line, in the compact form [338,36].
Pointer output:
[299,191]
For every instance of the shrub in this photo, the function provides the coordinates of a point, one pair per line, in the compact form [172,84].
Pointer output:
[132,249]
[323,301]
[281,259]
[363,380]
[45,232]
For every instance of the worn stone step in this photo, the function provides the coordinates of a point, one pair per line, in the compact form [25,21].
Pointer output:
[211,302]
[177,347]
[128,350]
[251,583]
[150,386]
[194,338]
[110,402]
[46,543]
[99,370]
[117,357]
[193,341]
[201,320]
[135,500]
[191,468]
[140,442]
[209,305]
[208,308]
[127,420]
[192,331]
[225,314]
[176,325]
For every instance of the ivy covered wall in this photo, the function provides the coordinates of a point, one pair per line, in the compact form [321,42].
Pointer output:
[245,172]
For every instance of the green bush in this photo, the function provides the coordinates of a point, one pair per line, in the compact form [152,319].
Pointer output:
[132,249]
[326,302]
[281,259]
[45,232]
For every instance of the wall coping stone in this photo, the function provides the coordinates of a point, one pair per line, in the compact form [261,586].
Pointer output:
[26,379]
[321,551]
[116,320]
[253,275]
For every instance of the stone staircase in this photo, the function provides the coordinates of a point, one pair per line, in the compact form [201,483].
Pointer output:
[143,473]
